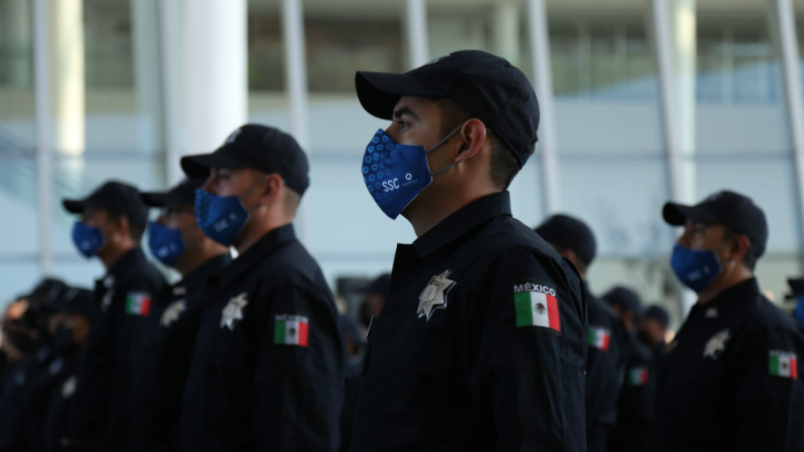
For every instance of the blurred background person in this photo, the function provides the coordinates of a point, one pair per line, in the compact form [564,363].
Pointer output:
[608,341]
[635,404]
[729,381]
[163,356]
[112,222]
[652,328]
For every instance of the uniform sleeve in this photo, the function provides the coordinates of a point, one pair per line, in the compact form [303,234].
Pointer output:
[525,347]
[769,392]
[299,377]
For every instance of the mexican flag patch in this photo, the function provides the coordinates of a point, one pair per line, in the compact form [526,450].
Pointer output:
[783,364]
[536,305]
[138,303]
[291,330]
[599,338]
[638,376]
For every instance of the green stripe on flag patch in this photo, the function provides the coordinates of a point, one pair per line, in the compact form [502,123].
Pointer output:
[524,309]
[279,331]
[774,364]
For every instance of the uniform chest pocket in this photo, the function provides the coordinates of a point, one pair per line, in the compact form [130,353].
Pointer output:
[424,352]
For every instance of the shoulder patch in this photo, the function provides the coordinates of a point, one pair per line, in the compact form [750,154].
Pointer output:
[536,306]
[138,303]
[291,330]
[599,337]
[638,376]
[783,364]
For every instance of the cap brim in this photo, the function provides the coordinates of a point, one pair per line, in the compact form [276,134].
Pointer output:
[154,199]
[379,92]
[677,214]
[198,166]
[74,205]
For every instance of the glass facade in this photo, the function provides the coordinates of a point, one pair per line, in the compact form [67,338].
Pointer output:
[612,164]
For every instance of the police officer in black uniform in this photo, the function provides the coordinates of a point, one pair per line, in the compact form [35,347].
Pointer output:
[607,346]
[730,380]
[268,369]
[797,295]
[482,343]
[635,401]
[113,220]
[162,361]
[652,329]
[48,413]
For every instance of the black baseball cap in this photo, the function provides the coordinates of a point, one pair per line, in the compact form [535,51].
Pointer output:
[116,197]
[75,301]
[796,288]
[657,313]
[737,212]
[255,146]
[47,290]
[182,194]
[487,86]
[625,298]
[570,233]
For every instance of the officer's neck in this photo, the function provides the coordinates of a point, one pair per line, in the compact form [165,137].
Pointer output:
[426,212]
[261,223]
[729,278]
[197,256]
[114,252]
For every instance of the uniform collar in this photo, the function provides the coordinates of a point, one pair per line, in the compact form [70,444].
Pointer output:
[730,299]
[256,254]
[463,221]
[126,263]
[199,276]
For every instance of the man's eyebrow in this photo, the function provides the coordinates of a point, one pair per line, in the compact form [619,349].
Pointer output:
[404,111]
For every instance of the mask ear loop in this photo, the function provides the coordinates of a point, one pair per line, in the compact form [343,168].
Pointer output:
[248,192]
[437,145]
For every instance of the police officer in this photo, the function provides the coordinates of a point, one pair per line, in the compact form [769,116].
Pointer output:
[162,360]
[47,414]
[33,337]
[635,402]
[268,369]
[797,295]
[113,220]
[652,330]
[729,381]
[482,342]
[608,343]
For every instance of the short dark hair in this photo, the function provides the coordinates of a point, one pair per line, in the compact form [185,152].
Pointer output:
[135,231]
[750,259]
[504,165]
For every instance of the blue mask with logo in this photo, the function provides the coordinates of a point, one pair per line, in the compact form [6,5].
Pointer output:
[695,269]
[88,239]
[166,244]
[221,217]
[798,313]
[396,173]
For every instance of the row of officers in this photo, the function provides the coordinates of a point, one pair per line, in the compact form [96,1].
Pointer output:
[489,339]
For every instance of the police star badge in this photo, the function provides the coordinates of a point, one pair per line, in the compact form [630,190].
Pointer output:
[172,313]
[68,388]
[233,311]
[434,296]
[716,345]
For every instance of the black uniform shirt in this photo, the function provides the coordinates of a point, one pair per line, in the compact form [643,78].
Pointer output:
[635,404]
[268,368]
[57,419]
[123,299]
[481,345]
[605,365]
[730,380]
[163,358]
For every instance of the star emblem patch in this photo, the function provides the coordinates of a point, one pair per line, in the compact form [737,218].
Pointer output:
[233,311]
[716,345]
[434,296]
[172,313]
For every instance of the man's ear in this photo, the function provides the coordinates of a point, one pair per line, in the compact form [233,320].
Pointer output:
[472,135]
[271,189]
[739,248]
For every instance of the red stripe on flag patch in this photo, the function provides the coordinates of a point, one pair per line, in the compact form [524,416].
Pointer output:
[304,331]
[552,311]
[606,339]
[794,368]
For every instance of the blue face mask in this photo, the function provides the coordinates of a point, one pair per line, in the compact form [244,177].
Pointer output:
[396,173]
[798,313]
[166,244]
[88,239]
[695,269]
[221,218]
